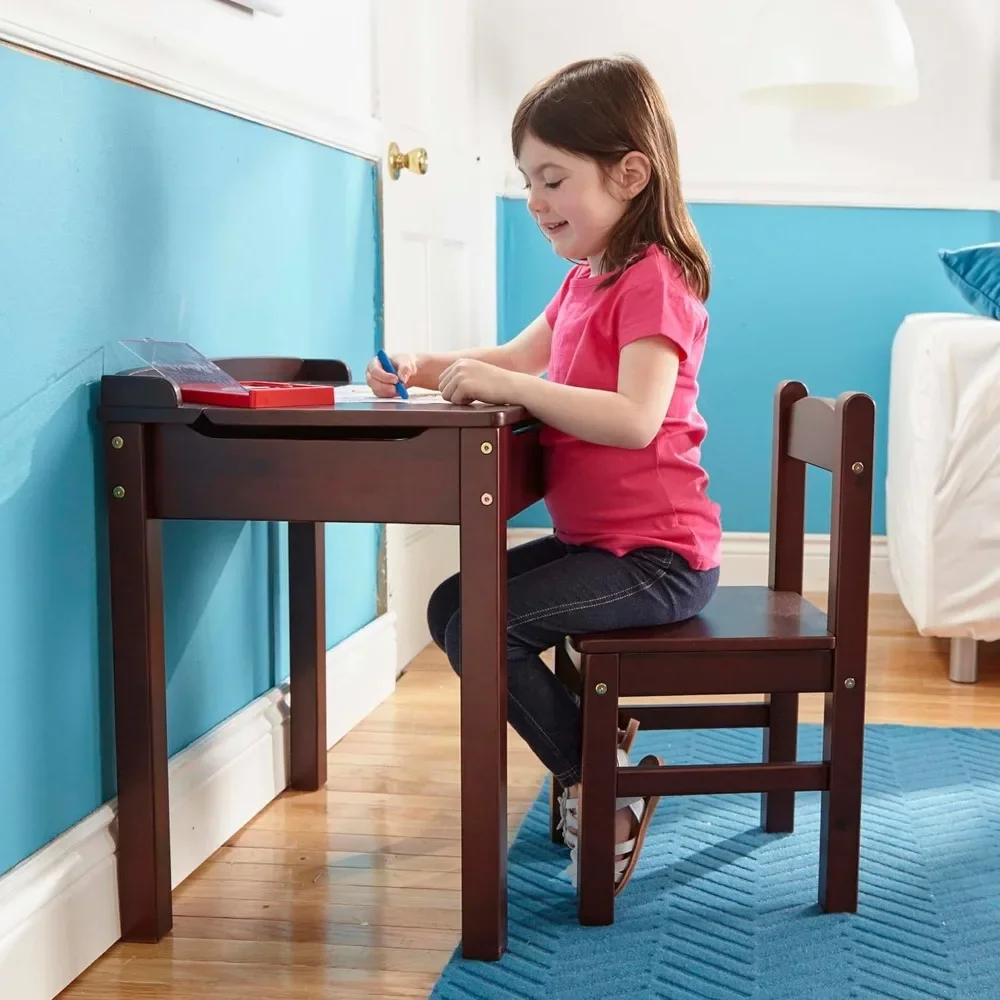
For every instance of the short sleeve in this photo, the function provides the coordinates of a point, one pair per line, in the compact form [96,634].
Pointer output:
[654,303]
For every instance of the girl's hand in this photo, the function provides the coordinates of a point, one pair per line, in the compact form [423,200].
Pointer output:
[382,383]
[467,380]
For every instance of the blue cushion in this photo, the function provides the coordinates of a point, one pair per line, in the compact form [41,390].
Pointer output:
[975,272]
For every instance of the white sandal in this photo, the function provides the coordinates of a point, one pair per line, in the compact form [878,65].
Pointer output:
[627,853]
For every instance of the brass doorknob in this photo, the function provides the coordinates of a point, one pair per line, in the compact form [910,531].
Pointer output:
[415,160]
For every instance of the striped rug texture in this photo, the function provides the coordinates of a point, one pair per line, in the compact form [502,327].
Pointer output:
[718,909]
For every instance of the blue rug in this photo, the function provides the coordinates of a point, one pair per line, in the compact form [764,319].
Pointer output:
[717,909]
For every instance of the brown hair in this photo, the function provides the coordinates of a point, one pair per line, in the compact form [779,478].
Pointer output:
[603,109]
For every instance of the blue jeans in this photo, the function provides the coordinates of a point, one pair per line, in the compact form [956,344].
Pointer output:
[555,590]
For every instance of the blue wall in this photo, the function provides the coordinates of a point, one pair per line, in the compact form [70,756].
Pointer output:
[809,293]
[128,214]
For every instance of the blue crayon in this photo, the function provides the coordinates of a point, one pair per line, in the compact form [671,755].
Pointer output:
[383,360]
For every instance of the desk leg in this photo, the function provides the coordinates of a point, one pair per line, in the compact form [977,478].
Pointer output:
[484,693]
[140,689]
[307,653]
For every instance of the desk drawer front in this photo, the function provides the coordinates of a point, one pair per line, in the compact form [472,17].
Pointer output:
[401,480]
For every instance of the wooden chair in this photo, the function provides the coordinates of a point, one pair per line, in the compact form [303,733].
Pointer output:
[749,640]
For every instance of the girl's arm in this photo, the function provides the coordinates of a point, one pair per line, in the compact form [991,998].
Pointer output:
[626,418]
[527,354]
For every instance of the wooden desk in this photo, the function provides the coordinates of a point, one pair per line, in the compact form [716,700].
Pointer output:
[372,462]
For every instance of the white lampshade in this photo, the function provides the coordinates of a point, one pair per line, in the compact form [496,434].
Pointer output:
[830,54]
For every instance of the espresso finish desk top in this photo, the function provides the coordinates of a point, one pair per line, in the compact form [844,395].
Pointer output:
[152,399]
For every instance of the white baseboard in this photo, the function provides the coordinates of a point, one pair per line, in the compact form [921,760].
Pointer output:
[59,908]
[745,559]
[745,562]
[360,675]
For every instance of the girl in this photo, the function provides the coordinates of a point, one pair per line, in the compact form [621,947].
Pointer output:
[636,539]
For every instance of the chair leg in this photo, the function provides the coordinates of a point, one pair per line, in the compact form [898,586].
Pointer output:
[566,672]
[777,809]
[840,810]
[598,788]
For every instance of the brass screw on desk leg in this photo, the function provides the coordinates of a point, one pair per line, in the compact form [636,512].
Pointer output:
[601,688]
[486,448]
[486,499]
[117,442]
[858,468]
[119,492]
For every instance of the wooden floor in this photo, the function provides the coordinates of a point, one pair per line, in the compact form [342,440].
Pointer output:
[353,892]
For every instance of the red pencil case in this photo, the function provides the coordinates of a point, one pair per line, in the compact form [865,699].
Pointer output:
[261,395]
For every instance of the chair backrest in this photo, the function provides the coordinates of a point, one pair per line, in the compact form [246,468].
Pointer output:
[837,435]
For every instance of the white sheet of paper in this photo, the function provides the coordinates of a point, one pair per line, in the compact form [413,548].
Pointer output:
[363,394]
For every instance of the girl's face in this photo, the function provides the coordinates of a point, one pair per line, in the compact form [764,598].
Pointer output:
[574,204]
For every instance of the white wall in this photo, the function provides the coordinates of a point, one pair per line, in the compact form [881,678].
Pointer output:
[995,112]
[309,72]
[941,149]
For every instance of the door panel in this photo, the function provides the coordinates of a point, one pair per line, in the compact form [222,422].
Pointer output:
[450,295]
[425,86]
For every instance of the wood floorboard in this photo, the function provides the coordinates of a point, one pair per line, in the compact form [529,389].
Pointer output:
[354,891]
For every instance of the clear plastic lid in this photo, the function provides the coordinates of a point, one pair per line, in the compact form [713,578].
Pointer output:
[177,362]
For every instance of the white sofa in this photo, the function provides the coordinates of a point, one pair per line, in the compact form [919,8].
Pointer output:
[943,479]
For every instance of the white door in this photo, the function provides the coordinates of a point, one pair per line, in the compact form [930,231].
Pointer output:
[431,229]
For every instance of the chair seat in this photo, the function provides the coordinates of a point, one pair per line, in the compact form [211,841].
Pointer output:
[737,618]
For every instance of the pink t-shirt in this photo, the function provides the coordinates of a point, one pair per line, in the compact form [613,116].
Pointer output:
[621,498]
